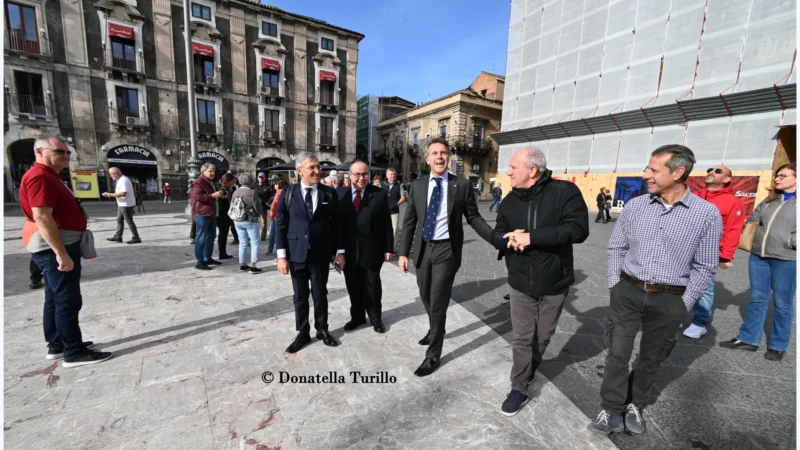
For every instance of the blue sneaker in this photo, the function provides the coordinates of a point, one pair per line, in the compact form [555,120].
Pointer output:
[633,419]
[607,423]
[514,402]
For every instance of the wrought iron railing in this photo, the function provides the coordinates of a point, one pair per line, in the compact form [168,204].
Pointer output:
[21,42]
[207,127]
[29,104]
[125,116]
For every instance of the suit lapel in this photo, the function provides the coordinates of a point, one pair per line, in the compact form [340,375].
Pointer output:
[422,207]
[348,200]
[320,198]
[452,190]
[365,196]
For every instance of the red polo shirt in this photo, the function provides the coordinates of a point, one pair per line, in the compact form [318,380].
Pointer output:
[41,186]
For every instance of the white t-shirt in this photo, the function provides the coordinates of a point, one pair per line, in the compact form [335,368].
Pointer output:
[124,185]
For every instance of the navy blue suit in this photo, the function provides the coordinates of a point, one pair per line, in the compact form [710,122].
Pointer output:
[310,244]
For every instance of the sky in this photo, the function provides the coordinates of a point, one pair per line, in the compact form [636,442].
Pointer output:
[417,48]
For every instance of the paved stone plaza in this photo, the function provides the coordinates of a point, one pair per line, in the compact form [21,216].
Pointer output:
[191,347]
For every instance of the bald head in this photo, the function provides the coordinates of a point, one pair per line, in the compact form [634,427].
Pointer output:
[718,177]
[115,173]
[526,167]
[52,152]
[359,174]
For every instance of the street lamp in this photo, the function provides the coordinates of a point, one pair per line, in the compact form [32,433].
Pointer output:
[193,163]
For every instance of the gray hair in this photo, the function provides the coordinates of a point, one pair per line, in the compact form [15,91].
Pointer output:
[207,166]
[302,157]
[114,170]
[534,157]
[245,179]
[391,170]
[44,140]
[331,178]
[681,157]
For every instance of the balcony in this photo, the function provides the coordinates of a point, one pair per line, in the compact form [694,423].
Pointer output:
[29,106]
[22,44]
[413,148]
[207,84]
[133,69]
[327,101]
[124,119]
[207,131]
[273,136]
[466,144]
[327,141]
[381,153]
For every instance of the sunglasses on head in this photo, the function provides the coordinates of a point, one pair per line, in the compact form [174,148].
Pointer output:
[717,171]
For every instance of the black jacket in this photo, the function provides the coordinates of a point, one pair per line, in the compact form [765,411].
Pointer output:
[265,192]
[368,233]
[556,216]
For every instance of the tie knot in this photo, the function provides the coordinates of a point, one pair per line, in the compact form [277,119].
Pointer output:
[438,180]
[308,189]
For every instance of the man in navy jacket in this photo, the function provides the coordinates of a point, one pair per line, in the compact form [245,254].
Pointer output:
[308,239]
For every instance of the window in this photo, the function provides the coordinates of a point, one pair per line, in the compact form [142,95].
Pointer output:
[478,135]
[203,69]
[201,12]
[414,136]
[269,78]
[123,53]
[23,33]
[269,29]
[272,123]
[326,130]
[384,144]
[443,129]
[206,120]
[127,104]
[326,92]
[30,94]
[327,44]
[483,93]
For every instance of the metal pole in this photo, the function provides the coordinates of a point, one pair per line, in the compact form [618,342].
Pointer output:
[193,163]
[369,130]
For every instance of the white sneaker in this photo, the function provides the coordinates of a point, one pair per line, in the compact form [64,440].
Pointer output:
[694,331]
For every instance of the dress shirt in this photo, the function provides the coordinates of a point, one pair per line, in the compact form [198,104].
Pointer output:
[314,189]
[353,193]
[441,231]
[676,245]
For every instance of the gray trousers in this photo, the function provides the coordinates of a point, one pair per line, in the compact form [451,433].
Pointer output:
[435,276]
[659,316]
[125,214]
[534,321]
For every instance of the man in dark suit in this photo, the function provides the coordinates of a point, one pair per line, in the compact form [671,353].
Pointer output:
[309,238]
[369,241]
[439,200]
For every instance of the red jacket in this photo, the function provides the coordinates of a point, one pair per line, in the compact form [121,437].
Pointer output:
[733,217]
[202,202]
[167,191]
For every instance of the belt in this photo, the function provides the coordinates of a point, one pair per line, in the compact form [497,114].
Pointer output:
[653,287]
[440,241]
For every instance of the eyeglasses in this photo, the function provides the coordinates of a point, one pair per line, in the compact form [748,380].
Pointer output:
[716,171]
[781,176]
[359,175]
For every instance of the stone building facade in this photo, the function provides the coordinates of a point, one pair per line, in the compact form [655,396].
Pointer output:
[466,118]
[110,76]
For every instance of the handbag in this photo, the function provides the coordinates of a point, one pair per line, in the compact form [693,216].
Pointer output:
[87,245]
[748,234]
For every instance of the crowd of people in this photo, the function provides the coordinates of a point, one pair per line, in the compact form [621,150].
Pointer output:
[663,255]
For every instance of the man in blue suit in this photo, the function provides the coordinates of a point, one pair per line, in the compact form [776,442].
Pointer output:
[308,239]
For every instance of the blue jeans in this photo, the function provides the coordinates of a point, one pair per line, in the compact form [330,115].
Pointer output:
[249,233]
[62,301]
[780,277]
[495,202]
[205,233]
[271,243]
[703,307]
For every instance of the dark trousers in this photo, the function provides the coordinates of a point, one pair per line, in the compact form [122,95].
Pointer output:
[317,276]
[125,214]
[204,244]
[224,224]
[365,290]
[659,316]
[36,272]
[534,321]
[193,231]
[435,276]
[62,301]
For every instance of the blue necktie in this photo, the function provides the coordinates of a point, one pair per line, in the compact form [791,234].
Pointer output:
[309,203]
[429,228]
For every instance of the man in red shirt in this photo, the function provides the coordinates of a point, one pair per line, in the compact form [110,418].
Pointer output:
[52,233]
[719,193]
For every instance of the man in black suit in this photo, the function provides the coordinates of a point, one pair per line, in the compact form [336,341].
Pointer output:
[439,199]
[308,239]
[369,241]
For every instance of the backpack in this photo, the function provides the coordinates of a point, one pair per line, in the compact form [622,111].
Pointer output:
[238,211]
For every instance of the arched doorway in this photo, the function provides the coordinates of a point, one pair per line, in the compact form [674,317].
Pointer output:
[139,164]
[21,159]
[266,163]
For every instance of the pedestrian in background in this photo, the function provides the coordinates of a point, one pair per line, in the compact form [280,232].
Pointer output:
[126,202]
[273,213]
[497,195]
[397,195]
[204,197]
[167,193]
[772,268]
[376,180]
[249,225]
[224,223]
[603,206]
[262,192]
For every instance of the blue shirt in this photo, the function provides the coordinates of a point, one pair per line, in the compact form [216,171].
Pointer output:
[441,231]
[788,195]
[676,245]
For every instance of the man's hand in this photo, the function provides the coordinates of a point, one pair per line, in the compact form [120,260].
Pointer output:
[403,263]
[65,263]
[726,265]
[283,266]
[340,260]
[387,256]
[105,194]
[518,239]
[218,194]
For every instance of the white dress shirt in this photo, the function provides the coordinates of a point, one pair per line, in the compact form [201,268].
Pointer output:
[440,231]
[314,200]
[354,194]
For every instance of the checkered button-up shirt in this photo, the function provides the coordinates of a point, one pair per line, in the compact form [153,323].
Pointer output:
[677,246]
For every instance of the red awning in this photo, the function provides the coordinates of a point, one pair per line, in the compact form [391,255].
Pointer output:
[270,64]
[120,31]
[200,49]
[324,75]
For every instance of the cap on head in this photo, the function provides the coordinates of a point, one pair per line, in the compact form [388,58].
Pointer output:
[274,177]
[263,175]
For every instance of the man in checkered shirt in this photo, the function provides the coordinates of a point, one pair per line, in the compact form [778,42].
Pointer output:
[661,257]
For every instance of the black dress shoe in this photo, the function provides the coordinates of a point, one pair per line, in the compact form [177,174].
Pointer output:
[225,257]
[507,297]
[353,324]
[327,339]
[36,285]
[114,239]
[299,342]
[134,241]
[212,262]
[202,267]
[774,355]
[428,367]
[736,344]
[426,340]
[378,327]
